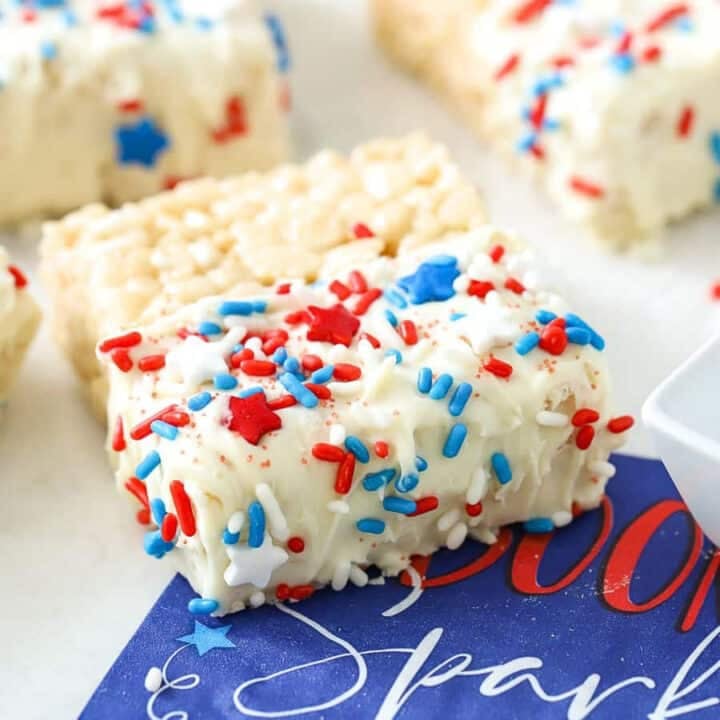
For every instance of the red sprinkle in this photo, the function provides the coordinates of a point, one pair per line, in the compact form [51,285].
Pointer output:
[584,437]
[585,416]
[357,282]
[183,508]
[362,231]
[507,67]
[371,339]
[282,402]
[258,368]
[344,475]
[238,358]
[137,488]
[121,358]
[620,424]
[169,527]
[715,291]
[176,418]
[148,363]
[652,53]
[625,44]
[498,367]
[685,122]
[408,332]
[673,12]
[142,429]
[296,544]
[283,289]
[585,187]
[382,450]
[530,10]
[130,106]
[311,362]
[121,341]
[366,300]
[553,340]
[235,121]
[297,317]
[480,288]
[328,452]
[282,591]
[473,510]
[537,113]
[18,276]
[342,291]
[118,436]
[301,592]
[496,253]
[320,391]
[345,372]
[515,285]
[425,505]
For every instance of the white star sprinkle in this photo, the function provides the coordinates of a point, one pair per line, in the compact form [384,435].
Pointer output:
[253,565]
[197,361]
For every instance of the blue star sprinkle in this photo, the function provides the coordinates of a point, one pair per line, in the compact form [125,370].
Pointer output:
[205,638]
[433,280]
[140,143]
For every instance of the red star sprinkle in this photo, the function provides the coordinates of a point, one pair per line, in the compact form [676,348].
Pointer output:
[252,418]
[334,325]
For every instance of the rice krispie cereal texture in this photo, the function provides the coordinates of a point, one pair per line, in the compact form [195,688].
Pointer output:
[614,106]
[107,269]
[113,101]
[19,319]
[284,439]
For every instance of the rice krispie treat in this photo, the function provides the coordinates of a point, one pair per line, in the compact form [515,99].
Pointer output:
[108,269]
[611,105]
[283,440]
[111,101]
[19,318]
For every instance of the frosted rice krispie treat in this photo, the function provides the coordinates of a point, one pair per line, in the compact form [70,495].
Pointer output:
[111,101]
[285,439]
[108,269]
[19,318]
[610,104]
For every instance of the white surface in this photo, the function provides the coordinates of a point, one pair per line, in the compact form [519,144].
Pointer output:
[686,431]
[75,582]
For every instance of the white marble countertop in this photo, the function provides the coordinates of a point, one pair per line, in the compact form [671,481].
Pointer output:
[75,582]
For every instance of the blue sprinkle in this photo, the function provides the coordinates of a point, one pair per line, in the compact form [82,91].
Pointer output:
[155,546]
[256,517]
[545,316]
[441,386]
[578,335]
[424,380]
[460,399]
[527,142]
[199,401]
[279,356]
[376,480]
[624,63]
[407,483]
[292,365]
[230,538]
[395,298]
[716,191]
[357,447]
[597,341]
[551,124]
[617,28]
[225,381]
[235,307]
[392,352]
[539,525]
[572,320]
[163,429]
[247,392]
[147,464]
[432,281]
[277,33]
[421,464]
[715,146]
[157,508]
[48,50]
[140,143]
[457,316]
[547,83]
[147,25]
[204,24]
[370,525]
[455,439]
[399,505]
[259,306]
[209,328]
[239,346]
[70,18]
[322,375]
[527,343]
[203,606]
[304,396]
[391,318]
[501,466]
[684,24]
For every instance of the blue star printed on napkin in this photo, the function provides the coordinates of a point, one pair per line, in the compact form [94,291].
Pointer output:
[433,280]
[140,143]
[205,638]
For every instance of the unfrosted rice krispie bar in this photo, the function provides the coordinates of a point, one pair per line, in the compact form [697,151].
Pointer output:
[613,105]
[19,318]
[111,101]
[108,269]
[285,438]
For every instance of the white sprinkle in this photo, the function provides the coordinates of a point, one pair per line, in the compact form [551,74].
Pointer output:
[275,516]
[379,580]
[236,522]
[461,284]
[257,599]
[337,434]
[602,468]
[446,521]
[561,518]
[478,486]
[255,344]
[341,575]
[338,506]
[153,679]
[358,576]
[552,419]
[456,537]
